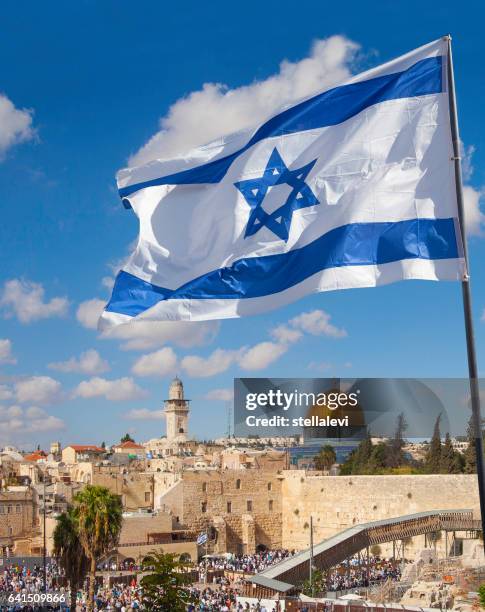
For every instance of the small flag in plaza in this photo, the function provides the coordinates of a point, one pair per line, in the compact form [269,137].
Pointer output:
[201,539]
[352,187]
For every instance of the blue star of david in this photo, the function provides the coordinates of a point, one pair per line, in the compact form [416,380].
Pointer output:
[255,191]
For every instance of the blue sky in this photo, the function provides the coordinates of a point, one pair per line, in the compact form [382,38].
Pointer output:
[84,87]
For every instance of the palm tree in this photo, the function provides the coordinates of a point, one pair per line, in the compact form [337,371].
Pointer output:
[70,553]
[99,518]
[325,458]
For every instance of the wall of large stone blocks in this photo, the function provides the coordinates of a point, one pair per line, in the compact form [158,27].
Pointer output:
[339,502]
[202,496]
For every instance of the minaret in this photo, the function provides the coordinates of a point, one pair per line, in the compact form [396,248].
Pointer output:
[176,412]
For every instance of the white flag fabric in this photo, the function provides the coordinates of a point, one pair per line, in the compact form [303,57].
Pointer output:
[352,187]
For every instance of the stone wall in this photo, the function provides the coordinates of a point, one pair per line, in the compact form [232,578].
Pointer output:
[245,504]
[200,499]
[339,502]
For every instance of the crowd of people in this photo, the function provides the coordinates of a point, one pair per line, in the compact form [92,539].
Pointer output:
[210,599]
[120,597]
[354,574]
[18,577]
[249,564]
[219,593]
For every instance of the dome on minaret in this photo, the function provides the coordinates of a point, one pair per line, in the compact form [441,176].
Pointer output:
[176,391]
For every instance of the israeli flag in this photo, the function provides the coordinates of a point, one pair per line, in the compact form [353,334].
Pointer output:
[352,187]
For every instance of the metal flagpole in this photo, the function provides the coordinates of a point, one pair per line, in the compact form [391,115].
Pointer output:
[466,292]
[311,554]
[44,543]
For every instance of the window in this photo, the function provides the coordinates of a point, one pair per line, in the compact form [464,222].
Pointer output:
[147,496]
[270,505]
[2,509]
[204,487]
[9,509]
[229,507]
[203,507]
[270,486]
[249,505]
[18,509]
[238,483]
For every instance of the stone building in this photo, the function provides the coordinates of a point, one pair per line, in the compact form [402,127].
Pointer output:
[142,533]
[244,507]
[75,453]
[17,516]
[135,489]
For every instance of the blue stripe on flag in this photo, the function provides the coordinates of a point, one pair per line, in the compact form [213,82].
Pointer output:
[328,108]
[350,245]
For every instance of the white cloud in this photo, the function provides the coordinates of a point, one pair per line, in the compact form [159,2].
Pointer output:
[38,389]
[49,423]
[218,361]
[27,420]
[121,389]
[88,312]
[5,393]
[6,351]
[15,125]
[220,395]
[11,412]
[144,335]
[319,366]
[159,363]
[285,335]
[25,300]
[262,355]
[474,217]
[215,110]
[143,414]
[34,412]
[89,362]
[317,323]
[108,282]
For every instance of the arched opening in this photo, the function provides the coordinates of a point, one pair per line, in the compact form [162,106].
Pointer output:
[261,548]
[128,563]
[181,430]
[185,558]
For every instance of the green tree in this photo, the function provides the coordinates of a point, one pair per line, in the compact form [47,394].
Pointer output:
[70,553]
[481,595]
[325,458]
[470,453]
[395,455]
[99,518]
[451,461]
[126,438]
[433,456]
[347,467]
[363,455]
[165,587]
[317,586]
[378,459]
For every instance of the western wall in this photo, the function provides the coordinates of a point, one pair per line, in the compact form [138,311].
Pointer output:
[256,507]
